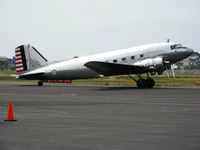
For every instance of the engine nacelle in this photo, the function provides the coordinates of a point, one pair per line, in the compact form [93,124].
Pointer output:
[154,64]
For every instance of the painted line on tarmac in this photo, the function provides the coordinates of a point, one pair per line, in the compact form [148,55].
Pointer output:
[68,94]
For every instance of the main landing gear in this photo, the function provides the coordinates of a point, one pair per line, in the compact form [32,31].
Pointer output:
[144,83]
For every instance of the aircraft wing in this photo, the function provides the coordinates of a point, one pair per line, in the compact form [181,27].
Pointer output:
[109,69]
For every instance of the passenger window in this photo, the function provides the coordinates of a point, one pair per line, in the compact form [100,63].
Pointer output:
[124,59]
[142,55]
[132,57]
[115,60]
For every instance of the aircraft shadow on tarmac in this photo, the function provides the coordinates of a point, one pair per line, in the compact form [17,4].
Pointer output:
[94,87]
[128,88]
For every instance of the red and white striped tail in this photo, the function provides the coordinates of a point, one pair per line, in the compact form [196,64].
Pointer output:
[20,59]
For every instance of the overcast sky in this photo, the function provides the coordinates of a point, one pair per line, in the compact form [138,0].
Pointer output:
[61,29]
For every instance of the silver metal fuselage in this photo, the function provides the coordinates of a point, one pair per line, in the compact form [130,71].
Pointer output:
[74,68]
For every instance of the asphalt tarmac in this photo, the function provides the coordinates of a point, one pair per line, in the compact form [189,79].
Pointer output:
[81,117]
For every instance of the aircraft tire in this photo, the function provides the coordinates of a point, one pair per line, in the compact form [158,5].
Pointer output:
[40,83]
[150,83]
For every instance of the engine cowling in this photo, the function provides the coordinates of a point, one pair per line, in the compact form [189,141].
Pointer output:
[154,65]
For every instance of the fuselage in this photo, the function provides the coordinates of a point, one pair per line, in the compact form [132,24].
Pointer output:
[74,68]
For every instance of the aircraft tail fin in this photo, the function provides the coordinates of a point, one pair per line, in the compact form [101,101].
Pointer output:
[28,58]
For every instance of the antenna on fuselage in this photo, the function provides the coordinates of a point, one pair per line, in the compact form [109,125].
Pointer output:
[168,40]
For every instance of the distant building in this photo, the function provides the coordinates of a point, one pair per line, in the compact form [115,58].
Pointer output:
[6,64]
[2,59]
[192,62]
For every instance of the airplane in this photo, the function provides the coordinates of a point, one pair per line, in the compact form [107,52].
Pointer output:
[146,59]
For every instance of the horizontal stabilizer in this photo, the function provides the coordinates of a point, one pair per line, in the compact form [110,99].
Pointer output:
[32,76]
[109,69]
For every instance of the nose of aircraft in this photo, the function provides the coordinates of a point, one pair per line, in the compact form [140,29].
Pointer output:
[190,51]
[185,52]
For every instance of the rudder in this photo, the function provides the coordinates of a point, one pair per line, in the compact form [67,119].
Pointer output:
[28,58]
[20,59]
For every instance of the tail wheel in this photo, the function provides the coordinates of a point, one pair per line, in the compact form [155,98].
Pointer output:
[150,83]
[141,83]
[40,83]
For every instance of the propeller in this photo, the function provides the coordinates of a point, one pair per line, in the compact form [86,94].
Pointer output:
[172,68]
[169,66]
[167,72]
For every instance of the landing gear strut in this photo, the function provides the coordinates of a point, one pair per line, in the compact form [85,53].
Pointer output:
[144,83]
[40,83]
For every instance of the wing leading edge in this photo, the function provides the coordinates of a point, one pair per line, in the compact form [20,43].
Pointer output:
[109,69]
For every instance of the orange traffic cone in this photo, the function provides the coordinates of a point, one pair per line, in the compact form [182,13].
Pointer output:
[10,116]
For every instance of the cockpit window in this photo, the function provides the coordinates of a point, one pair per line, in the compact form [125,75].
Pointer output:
[179,46]
[173,47]
[176,46]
